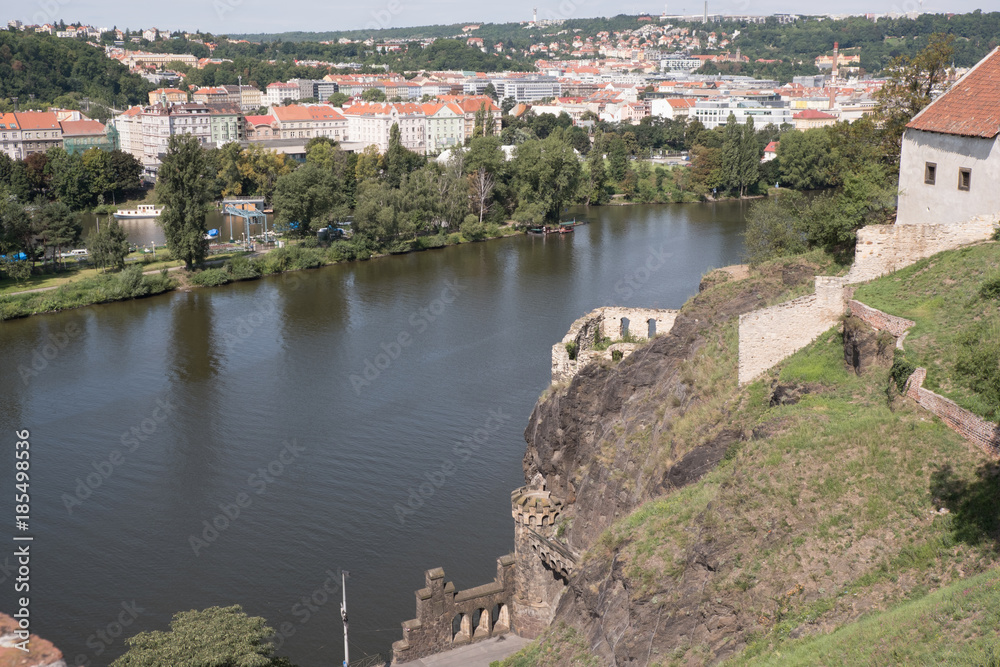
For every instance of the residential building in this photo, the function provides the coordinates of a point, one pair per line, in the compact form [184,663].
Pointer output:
[79,136]
[445,126]
[770,151]
[470,106]
[810,118]
[226,123]
[294,121]
[950,161]
[139,59]
[167,96]
[278,92]
[128,125]
[10,136]
[251,98]
[40,131]
[369,124]
[713,113]
[214,95]
[260,128]
[159,123]
[671,107]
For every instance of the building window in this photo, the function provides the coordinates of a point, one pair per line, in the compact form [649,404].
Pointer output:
[930,173]
[964,179]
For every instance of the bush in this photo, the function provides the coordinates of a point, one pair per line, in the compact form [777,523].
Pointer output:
[341,251]
[990,289]
[902,369]
[242,268]
[978,362]
[210,277]
[617,355]
[472,229]
[571,350]
[428,242]
[19,271]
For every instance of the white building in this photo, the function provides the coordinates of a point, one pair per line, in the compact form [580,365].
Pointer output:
[671,107]
[714,113]
[294,121]
[369,124]
[159,123]
[129,127]
[278,92]
[950,161]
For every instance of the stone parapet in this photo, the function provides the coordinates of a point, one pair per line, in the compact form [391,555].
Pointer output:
[984,434]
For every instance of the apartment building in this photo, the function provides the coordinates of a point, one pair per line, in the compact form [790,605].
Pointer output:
[370,124]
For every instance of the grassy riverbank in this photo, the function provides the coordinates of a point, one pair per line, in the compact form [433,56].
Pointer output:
[77,287]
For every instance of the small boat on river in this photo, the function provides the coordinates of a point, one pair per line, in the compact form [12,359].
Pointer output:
[140,211]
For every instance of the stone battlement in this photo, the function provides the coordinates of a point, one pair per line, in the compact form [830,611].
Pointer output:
[535,507]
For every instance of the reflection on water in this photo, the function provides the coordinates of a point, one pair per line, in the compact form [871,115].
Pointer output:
[248,368]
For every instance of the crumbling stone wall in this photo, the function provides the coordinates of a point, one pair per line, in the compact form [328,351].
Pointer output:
[771,334]
[608,321]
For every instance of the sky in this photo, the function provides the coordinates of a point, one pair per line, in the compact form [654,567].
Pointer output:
[255,16]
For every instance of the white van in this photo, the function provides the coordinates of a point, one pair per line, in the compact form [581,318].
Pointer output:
[80,253]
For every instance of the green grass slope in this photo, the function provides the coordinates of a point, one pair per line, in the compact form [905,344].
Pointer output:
[839,512]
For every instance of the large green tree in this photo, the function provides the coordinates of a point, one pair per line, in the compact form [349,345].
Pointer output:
[108,246]
[305,196]
[184,187]
[214,637]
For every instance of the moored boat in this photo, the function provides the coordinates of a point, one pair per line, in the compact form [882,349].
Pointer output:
[140,211]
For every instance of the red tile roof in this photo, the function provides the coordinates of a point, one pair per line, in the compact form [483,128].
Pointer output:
[813,114]
[772,147]
[971,108]
[37,120]
[259,120]
[79,128]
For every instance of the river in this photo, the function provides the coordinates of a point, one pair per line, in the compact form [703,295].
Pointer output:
[153,419]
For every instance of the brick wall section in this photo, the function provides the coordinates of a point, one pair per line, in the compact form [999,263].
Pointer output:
[984,434]
[771,334]
[878,320]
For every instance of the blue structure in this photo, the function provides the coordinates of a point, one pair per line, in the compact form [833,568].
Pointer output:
[250,210]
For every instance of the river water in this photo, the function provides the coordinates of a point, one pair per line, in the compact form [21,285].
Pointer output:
[366,417]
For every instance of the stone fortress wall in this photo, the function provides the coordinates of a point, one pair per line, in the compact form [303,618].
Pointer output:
[769,335]
[609,322]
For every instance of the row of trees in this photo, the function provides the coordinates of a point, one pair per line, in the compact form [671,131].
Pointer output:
[80,180]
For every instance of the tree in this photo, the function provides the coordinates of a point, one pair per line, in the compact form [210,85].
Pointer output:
[108,246]
[750,152]
[399,160]
[214,637]
[598,177]
[230,177]
[481,187]
[773,229]
[56,227]
[305,196]
[261,168]
[183,188]
[806,158]
[338,99]
[491,91]
[373,95]
[908,90]
[369,164]
[617,158]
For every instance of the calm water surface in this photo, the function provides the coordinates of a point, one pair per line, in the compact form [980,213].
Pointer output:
[159,415]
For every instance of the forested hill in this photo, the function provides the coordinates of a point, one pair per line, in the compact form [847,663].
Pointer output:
[977,33]
[62,71]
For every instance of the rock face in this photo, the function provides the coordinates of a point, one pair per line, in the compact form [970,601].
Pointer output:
[41,654]
[864,347]
[602,447]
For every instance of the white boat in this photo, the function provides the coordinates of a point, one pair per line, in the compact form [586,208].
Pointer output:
[140,211]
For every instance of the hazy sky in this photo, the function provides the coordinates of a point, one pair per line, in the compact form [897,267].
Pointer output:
[239,16]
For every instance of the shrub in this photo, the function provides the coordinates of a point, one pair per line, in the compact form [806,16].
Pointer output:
[472,229]
[571,350]
[210,277]
[242,268]
[617,355]
[990,289]
[19,271]
[902,369]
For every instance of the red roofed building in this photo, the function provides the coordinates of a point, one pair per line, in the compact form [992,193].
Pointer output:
[810,118]
[770,151]
[950,161]
[79,136]
[370,125]
[294,121]
[40,131]
[260,128]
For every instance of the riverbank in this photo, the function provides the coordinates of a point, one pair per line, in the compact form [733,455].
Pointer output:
[133,283]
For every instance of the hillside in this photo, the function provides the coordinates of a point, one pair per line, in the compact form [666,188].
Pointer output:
[48,68]
[722,523]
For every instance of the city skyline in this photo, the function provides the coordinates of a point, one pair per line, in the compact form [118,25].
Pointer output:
[255,16]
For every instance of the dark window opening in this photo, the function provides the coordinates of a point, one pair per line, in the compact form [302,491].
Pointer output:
[930,173]
[964,179]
